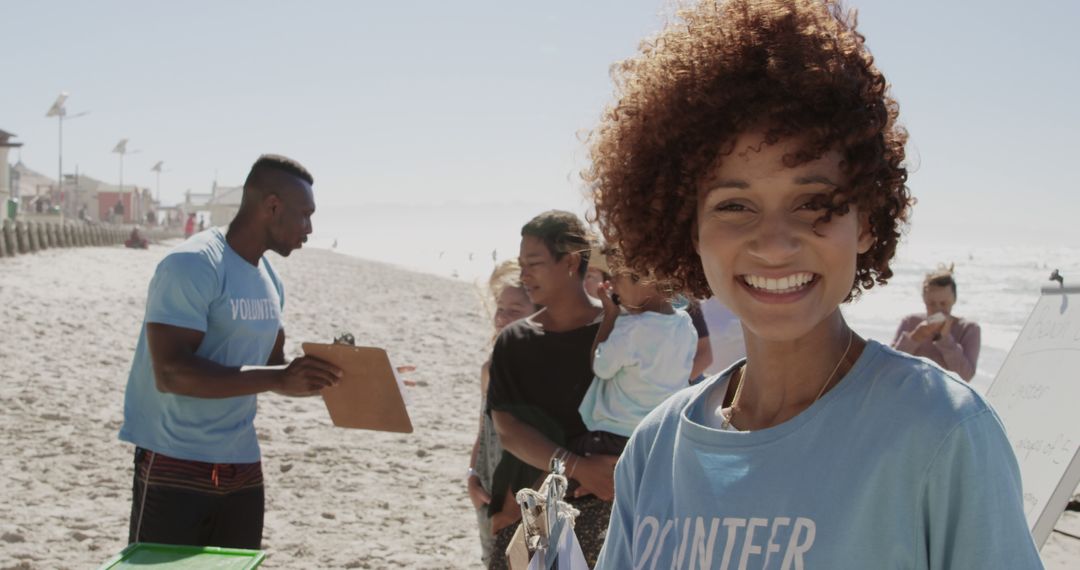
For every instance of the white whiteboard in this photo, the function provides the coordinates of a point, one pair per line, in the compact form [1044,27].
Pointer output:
[1037,395]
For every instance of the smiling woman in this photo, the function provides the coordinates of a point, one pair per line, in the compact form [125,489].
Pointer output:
[754,155]
[766,247]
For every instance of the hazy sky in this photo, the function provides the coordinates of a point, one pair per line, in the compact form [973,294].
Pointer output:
[428,102]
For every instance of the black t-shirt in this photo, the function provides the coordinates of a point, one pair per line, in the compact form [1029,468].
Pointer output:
[540,377]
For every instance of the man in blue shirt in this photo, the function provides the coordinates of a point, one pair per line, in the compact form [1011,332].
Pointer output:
[214,306]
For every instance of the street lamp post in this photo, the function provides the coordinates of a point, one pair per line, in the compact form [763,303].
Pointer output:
[121,149]
[157,169]
[157,189]
[59,111]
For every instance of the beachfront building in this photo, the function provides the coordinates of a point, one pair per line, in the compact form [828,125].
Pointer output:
[216,208]
[134,204]
[80,197]
[5,174]
[89,198]
[95,199]
[35,192]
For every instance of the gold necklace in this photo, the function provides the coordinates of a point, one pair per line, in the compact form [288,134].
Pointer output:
[726,422]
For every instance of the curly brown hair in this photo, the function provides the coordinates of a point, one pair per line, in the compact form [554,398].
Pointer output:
[796,68]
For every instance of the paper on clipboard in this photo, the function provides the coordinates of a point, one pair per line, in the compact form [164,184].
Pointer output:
[369,395]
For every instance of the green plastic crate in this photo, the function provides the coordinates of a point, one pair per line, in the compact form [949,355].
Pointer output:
[177,557]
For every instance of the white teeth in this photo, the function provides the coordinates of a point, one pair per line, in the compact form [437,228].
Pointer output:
[786,284]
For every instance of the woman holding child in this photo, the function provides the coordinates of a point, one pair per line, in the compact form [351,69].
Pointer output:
[540,370]
[754,154]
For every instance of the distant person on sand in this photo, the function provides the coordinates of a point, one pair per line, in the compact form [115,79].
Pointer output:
[540,370]
[136,240]
[754,153]
[189,226]
[642,354]
[214,306]
[511,303]
[950,341]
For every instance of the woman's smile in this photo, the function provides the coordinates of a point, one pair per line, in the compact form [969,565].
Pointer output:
[786,289]
[762,241]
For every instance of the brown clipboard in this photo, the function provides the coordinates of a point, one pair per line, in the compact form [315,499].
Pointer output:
[368,396]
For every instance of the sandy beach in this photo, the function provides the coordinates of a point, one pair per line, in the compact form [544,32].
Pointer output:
[336,498]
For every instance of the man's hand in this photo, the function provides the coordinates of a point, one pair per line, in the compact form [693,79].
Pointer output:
[596,473]
[306,376]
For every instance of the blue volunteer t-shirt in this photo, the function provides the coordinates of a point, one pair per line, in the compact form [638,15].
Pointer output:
[899,466]
[205,285]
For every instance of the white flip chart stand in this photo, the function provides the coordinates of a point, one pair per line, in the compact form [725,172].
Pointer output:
[1037,395]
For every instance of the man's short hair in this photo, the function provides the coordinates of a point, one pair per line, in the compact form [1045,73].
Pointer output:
[280,163]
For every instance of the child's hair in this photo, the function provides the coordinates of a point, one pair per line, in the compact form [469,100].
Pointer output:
[942,277]
[793,68]
[506,274]
[619,266]
[562,233]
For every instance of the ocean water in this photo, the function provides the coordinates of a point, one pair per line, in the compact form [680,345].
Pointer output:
[997,286]
[453,240]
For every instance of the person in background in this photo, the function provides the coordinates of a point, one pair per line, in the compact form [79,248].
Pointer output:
[511,303]
[540,371]
[213,309]
[950,341]
[641,355]
[599,272]
[189,226]
[136,240]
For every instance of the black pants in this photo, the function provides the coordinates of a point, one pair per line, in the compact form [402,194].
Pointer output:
[197,504]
